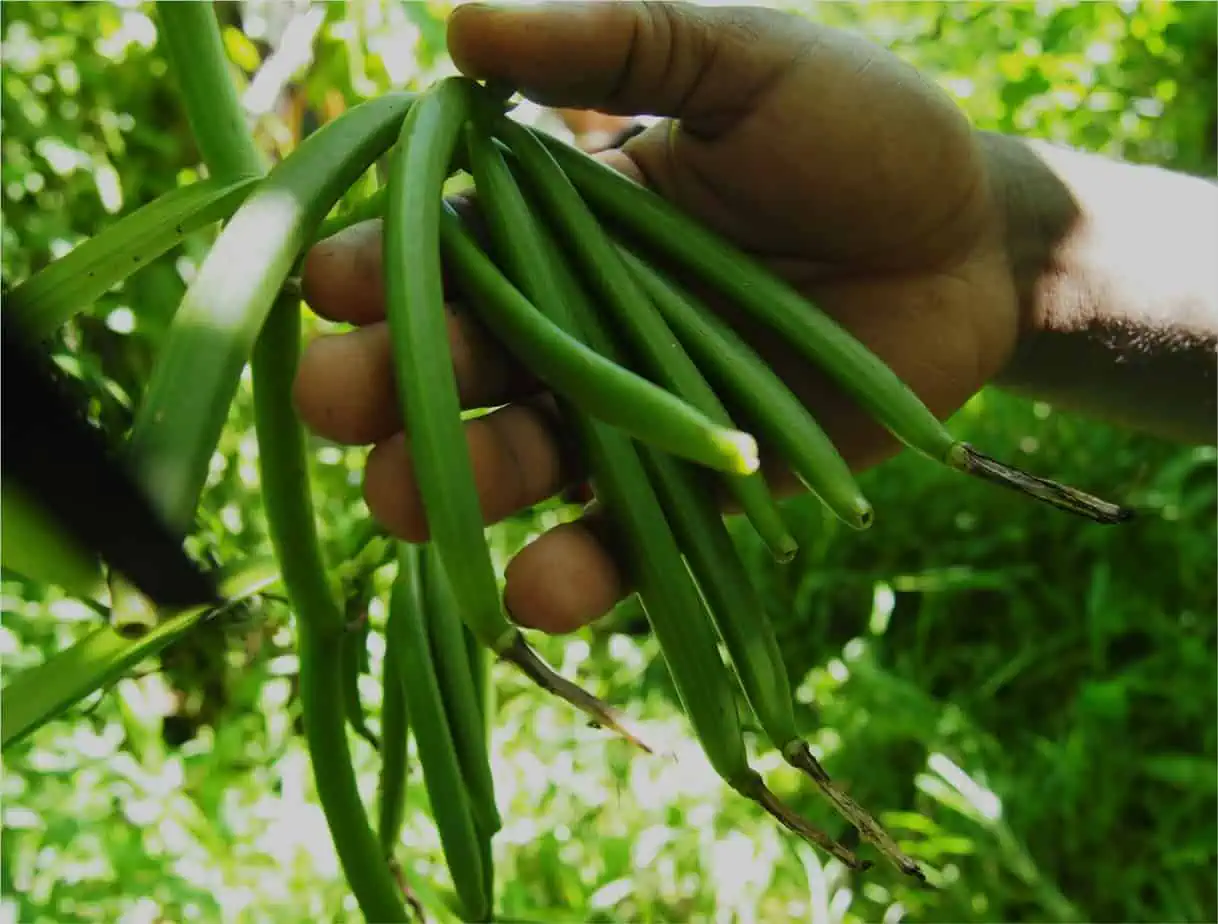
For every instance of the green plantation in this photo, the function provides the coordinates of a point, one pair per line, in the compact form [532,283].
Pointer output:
[973,683]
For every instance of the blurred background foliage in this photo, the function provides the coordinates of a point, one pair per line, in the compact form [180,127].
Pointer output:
[1027,700]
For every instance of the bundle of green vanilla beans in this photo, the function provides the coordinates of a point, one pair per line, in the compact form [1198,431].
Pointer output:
[588,280]
[578,276]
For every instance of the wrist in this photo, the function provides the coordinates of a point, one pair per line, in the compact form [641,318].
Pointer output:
[1038,219]
[1112,267]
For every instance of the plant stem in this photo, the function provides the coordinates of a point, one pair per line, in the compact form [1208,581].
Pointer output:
[965,458]
[284,473]
[195,50]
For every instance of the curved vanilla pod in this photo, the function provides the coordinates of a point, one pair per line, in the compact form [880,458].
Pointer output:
[642,327]
[427,388]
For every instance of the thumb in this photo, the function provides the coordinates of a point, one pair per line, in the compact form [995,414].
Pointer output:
[702,65]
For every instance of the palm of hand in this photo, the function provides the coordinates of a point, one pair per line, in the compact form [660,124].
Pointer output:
[856,181]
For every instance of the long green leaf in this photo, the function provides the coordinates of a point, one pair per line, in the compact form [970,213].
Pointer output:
[190,35]
[199,367]
[68,285]
[40,694]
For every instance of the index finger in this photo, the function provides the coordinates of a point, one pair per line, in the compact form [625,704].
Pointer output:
[342,276]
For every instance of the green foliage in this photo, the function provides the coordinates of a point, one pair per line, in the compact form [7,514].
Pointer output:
[1027,701]
[1129,79]
[40,694]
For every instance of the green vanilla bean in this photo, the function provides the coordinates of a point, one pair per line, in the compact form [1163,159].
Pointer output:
[199,63]
[778,414]
[212,335]
[427,388]
[437,750]
[480,673]
[634,314]
[748,635]
[464,707]
[284,469]
[667,590]
[395,737]
[447,641]
[603,389]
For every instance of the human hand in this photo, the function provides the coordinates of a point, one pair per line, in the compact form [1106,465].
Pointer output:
[825,157]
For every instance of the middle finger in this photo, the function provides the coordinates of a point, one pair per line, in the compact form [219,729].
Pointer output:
[520,457]
[346,391]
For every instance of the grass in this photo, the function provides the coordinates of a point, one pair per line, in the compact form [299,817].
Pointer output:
[1026,698]
[1067,669]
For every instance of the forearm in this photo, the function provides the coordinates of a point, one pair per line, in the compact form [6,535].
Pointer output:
[1117,272]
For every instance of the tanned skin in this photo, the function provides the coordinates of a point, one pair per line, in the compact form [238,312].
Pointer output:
[961,258]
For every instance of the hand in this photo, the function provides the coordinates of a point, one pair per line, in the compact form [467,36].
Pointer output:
[824,156]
